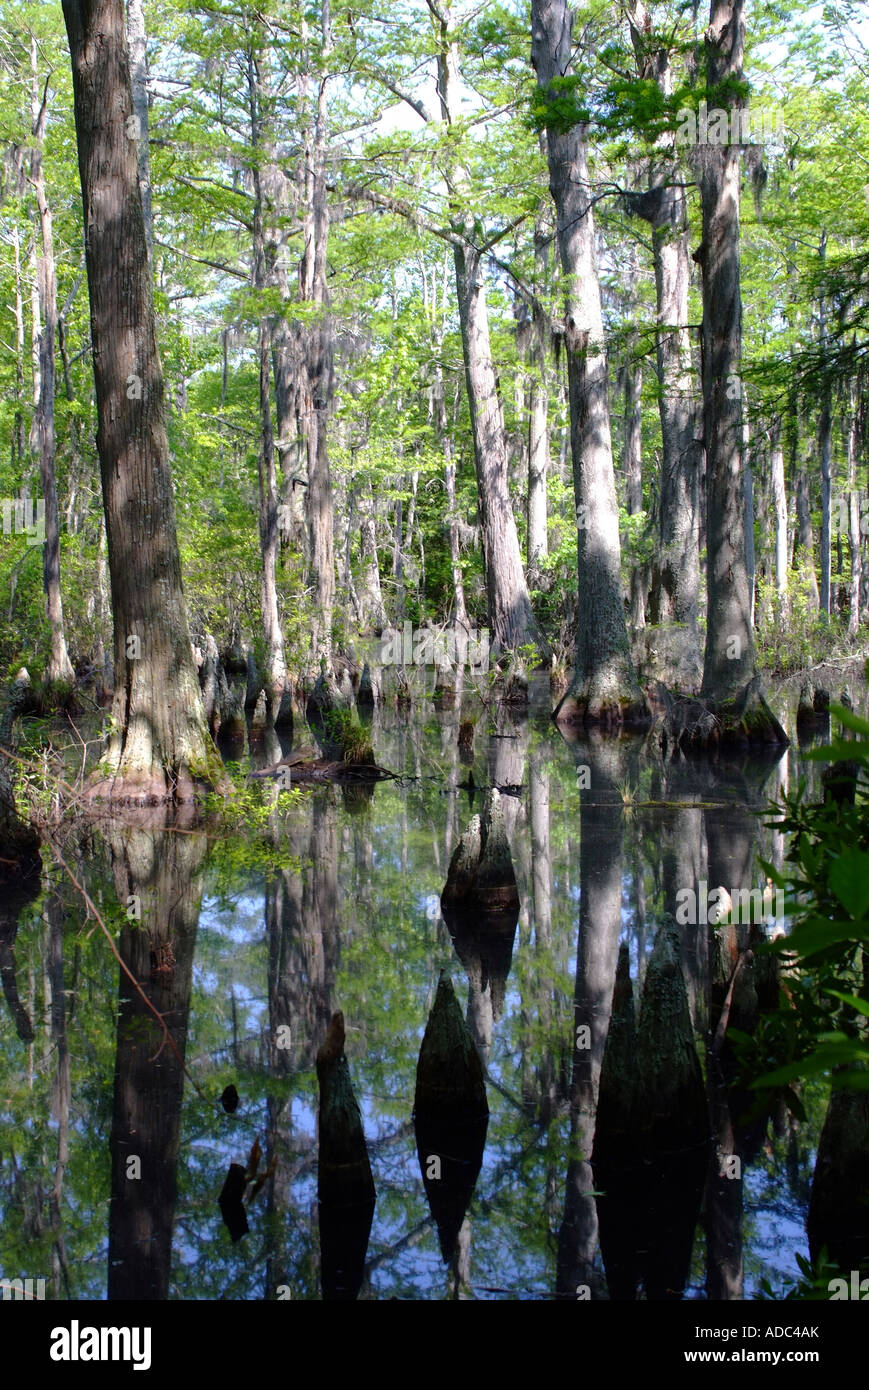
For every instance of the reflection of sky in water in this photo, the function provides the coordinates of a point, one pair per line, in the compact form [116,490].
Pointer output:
[502,1264]
[391,862]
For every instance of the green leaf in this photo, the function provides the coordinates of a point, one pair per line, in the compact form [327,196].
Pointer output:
[850,719]
[823,1059]
[812,936]
[849,880]
[838,751]
[860,1005]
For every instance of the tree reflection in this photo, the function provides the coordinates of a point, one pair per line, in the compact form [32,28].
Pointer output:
[158,875]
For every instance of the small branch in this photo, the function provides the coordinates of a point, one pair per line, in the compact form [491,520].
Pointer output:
[200,260]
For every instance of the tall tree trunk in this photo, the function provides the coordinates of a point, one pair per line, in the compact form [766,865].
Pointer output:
[663,206]
[825,450]
[442,427]
[371,596]
[538,464]
[632,380]
[729,659]
[780,509]
[804,539]
[161,741]
[511,620]
[59,666]
[605,687]
[320,372]
[18,434]
[275,673]
[854,522]
[138,41]
[748,494]
[538,410]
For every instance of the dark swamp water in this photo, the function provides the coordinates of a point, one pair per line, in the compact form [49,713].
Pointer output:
[112,1163]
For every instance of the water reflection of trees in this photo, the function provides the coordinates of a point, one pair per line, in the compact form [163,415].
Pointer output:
[350,927]
[159,873]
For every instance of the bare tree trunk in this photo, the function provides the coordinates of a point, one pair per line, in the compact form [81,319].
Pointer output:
[729,659]
[605,687]
[538,464]
[442,427]
[780,509]
[18,425]
[161,740]
[804,540]
[371,597]
[35,324]
[59,666]
[511,620]
[632,381]
[320,375]
[538,411]
[676,584]
[275,664]
[275,673]
[138,42]
[748,492]
[854,522]
[825,449]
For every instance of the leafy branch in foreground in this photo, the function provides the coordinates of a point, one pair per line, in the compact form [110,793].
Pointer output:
[822,1023]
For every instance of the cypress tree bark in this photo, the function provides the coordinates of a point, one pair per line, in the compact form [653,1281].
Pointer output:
[729,658]
[605,687]
[511,619]
[677,579]
[160,743]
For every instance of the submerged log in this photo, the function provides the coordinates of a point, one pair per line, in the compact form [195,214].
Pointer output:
[450,1115]
[345,1187]
[305,769]
[838,1216]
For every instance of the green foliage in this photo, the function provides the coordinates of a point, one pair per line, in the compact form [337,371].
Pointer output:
[814,1285]
[354,740]
[791,634]
[821,1026]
